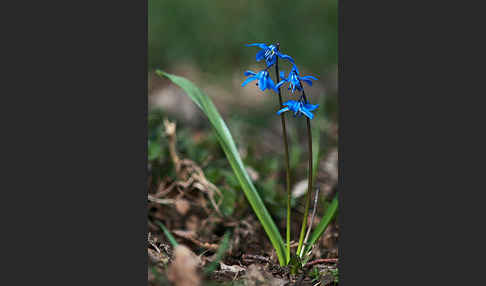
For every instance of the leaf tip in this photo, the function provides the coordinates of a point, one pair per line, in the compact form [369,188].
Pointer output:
[160,72]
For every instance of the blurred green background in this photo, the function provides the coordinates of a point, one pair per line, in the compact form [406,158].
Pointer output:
[212,34]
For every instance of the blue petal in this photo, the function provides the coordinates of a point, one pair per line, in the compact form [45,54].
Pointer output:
[252,78]
[308,81]
[247,73]
[280,84]
[290,103]
[261,46]
[308,77]
[307,113]
[270,83]
[270,61]
[261,83]
[260,55]
[282,110]
[286,57]
[298,86]
[311,107]
[282,75]
[295,69]
[293,105]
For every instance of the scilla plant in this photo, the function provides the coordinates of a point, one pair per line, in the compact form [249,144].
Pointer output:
[271,55]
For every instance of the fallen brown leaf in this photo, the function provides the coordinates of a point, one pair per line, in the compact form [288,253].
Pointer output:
[182,206]
[183,270]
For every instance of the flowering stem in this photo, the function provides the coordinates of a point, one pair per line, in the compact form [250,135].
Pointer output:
[300,248]
[284,131]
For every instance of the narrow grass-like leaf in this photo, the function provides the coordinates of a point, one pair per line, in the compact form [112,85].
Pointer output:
[321,227]
[219,254]
[229,148]
[167,234]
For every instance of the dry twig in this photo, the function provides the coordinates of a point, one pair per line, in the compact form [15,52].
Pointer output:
[160,201]
[190,235]
[322,260]
[311,221]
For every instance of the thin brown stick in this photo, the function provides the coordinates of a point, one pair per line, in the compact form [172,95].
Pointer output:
[311,221]
[160,201]
[191,237]
[322,260]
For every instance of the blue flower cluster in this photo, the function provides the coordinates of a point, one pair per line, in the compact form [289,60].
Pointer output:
[270,53]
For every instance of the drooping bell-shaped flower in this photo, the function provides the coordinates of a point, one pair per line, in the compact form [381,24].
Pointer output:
[264,81]
[294,79]
[269,53]
[298,108]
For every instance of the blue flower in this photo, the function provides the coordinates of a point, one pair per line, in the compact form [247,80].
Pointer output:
[264,79]
[269,53]
[294,79]
[299,108]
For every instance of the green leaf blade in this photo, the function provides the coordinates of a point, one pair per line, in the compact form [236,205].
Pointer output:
[219,254]
[229,147]
[167,234]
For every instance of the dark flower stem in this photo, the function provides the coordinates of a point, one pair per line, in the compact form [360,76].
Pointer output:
[309,186]
[287,165]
